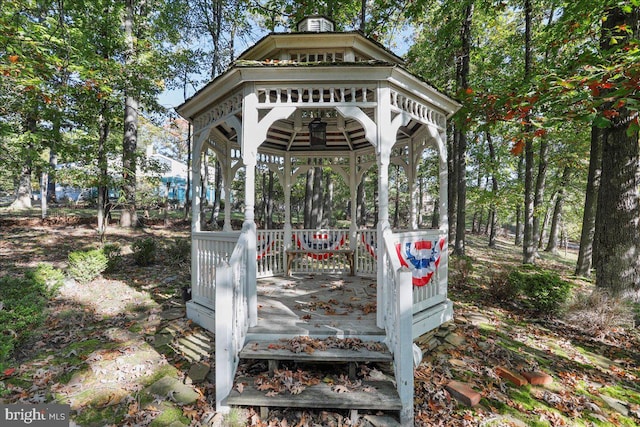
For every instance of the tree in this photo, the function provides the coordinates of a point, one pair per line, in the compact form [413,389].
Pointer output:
[617,234]
[585,253]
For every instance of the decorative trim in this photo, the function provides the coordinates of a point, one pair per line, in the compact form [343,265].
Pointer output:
[417,110]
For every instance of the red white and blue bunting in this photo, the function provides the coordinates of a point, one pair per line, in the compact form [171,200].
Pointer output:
[321,241]
[370,244]
[264,246]
[422,257]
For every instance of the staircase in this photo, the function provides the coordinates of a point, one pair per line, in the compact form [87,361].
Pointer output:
[331,374]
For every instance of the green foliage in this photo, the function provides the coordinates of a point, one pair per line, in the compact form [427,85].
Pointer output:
[461,269]
[179,251]
[113,252]
[84,266]
[501,288]
[22,306]
[544,291]
[144,251]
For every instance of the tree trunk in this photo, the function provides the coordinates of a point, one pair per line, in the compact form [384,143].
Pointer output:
[519,226]
[217,193]
[585,254]
[538,201]
[129,216]
[328,202]
[452,187]
[316,214]
[552,246]
[462,76]
[308,198]
[435,217]
[361,210]
[51,182]
[493,221]
[24,191]
[529,244]
[617,237]
[103,178]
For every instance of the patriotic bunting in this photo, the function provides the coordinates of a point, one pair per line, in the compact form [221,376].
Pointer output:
[422,257]
[321,240]
[370,245]
[264,246]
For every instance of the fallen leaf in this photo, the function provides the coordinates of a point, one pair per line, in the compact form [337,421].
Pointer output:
[240,387]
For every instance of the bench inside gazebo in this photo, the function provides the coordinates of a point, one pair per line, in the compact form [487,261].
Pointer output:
[289,103]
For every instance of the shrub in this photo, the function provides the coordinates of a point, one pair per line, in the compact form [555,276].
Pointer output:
[462,268]
[84,266]
[179,251]
[22,306]
[544,291]
[47,276]
[113,252]
[144,251]
[599,314]
[501,287]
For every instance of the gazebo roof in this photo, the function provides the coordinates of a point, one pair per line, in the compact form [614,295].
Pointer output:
[317,72]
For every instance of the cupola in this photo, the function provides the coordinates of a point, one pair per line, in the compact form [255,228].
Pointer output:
[315,24]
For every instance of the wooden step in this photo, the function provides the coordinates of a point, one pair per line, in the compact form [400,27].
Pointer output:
[373,395]
[276,351]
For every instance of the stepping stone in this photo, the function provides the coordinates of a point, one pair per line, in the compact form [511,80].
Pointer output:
[173,314]
[454,339]
[463,393]
[513,377]
[198,372]
[173,389]
[538,378]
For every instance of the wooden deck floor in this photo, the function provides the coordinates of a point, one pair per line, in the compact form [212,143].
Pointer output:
[318,305]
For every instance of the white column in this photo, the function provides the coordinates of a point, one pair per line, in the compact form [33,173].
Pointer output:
[412,174]
[353,186]
[228,179]
[287,203]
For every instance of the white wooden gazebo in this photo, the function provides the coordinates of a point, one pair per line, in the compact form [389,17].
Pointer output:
[375,113]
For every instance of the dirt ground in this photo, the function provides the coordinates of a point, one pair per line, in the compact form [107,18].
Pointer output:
[120,351]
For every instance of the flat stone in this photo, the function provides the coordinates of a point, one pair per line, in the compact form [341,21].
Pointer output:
[455,339]
[463,393]
[382,420]
[198,372]
[477,319]
[160,340]
[173,389]
[538,378]
[173,314]
[616,405]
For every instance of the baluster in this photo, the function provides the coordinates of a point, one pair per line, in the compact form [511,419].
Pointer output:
[342,94]
[331,95]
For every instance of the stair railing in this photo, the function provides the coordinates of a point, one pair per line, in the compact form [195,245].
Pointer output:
[398,325]
[232,301]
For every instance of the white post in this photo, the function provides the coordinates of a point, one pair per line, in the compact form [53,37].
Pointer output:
[353,186]
[224,354]
[287,203]
[404,360]
[444,209]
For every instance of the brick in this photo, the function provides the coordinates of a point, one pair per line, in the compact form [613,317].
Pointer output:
[538,378]
[514,377]
[464,393]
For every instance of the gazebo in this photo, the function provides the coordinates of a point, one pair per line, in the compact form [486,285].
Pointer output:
[291,101]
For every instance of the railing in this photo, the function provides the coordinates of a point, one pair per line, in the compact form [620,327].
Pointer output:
[398,317]
[270,253]
[366,256]
[320,239]
[232,307]
[208,251]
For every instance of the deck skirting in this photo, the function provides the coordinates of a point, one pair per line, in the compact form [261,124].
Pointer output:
[201,315]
